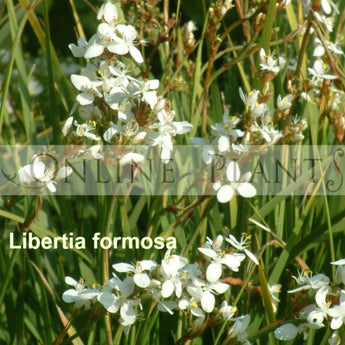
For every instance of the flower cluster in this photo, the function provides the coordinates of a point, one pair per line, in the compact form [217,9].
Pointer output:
[234,137]
[123,109]
[325,81]
[329,305]
[174,284]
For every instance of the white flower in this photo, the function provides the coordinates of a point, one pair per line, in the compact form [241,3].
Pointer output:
[87,87]
[94,152]
[227,311]
[40,175]
[317,314]
[225,130]
[285,103]
[268,62]
[318,72]
[250,100]
[124,42]
[80,295]
[310,282]
[104,38]
[218,258]
[208,153]
[190,26]
[237,183]
[238,330]
[338,312]
[242,245]
[148,93]
[120,299]
[111,131]
[140,278]
[166,129]
[116,97]
[267,131]
[191,304]
[170,269]
[80,49]
[83,130]
[204,293]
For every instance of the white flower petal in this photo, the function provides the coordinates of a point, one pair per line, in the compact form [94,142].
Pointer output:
[326,6]
[167,288]
[70,281]
[136,55]
[208,154]
[220,287]
[233,171]
[225,193]
[319,51]
[123,267]
[150,98]
[207,302]
[182,127]
[336,322]
[142,280]
[223,143]
[110,12]
[131,158]
[246,190]
[85,98]
[120,49]
[167,306]
[94,50]
[286,332]
[208,252]
[213,272]
[251,256]
[63,173]
[67,126]
[127,312]
[338,262]
[70,296]
[109,302]
[148,265]
[51,186]
[37,170]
